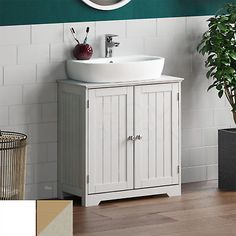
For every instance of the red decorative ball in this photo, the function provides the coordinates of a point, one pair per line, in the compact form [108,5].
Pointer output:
[83,51]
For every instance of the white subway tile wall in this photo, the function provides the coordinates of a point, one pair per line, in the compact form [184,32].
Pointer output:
[8,55]
[32,58]
[11,35]
[148,28]
[47,73]
[4,115]
[26,114]
[20,74]
[47,33]
[33,53]
[10,95]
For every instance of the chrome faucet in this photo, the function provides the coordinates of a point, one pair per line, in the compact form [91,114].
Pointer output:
[109,44]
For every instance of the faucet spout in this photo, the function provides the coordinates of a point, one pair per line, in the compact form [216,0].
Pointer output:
[110,44]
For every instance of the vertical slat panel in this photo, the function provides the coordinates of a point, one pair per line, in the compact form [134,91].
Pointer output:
[99,138]
[107,139]
[69,150]
[67,153]
[139,149]
[152,134]
[122,138]
[62,141]
[115,139]
[159,135]
[167,134]
[77,123]
[72,151]
[129,131]
[95,129]
[144,115]
[119,143]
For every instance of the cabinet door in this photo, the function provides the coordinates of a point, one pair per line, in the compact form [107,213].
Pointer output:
[110,151]
[157,121]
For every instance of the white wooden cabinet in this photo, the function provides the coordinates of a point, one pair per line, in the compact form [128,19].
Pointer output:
[119,140]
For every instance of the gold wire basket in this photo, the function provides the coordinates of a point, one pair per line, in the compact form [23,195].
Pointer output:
[12,165]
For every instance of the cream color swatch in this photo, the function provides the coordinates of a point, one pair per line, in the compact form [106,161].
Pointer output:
[54,218]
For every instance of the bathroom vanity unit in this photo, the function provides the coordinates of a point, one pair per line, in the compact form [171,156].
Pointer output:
[119,140]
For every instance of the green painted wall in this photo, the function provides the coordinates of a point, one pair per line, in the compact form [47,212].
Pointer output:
[18,12]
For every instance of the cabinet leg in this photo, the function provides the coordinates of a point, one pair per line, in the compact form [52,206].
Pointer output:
[90,201]
[174,192]
[83,201]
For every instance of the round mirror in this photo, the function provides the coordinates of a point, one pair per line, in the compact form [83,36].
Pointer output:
[106,4]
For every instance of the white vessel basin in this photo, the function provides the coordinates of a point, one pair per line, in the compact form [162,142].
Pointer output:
[116,69]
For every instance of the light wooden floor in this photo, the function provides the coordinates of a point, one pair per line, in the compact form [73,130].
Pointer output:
[202,210]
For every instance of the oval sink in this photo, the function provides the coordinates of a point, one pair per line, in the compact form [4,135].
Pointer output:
[116,69]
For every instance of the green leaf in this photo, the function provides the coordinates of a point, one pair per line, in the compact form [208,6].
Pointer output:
[212,19]
[212,86]
[222,27]
[233,18]
[203,50]
[234,108]
[233,55]
[221,93]
[230,70]
[228,78]
[219,74]
[226,63]
[224,18]
[200,45]
[208,75]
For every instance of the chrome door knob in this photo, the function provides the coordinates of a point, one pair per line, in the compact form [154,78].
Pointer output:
[131,138]
[138,137]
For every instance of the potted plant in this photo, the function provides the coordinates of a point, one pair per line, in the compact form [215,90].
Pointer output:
[219,45]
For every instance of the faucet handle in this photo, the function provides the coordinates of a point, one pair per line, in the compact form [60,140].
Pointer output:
[109,37]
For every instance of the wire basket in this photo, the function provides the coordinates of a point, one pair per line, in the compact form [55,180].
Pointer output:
[12,165]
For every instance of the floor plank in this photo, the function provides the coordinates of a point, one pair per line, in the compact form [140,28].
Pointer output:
[201,210]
